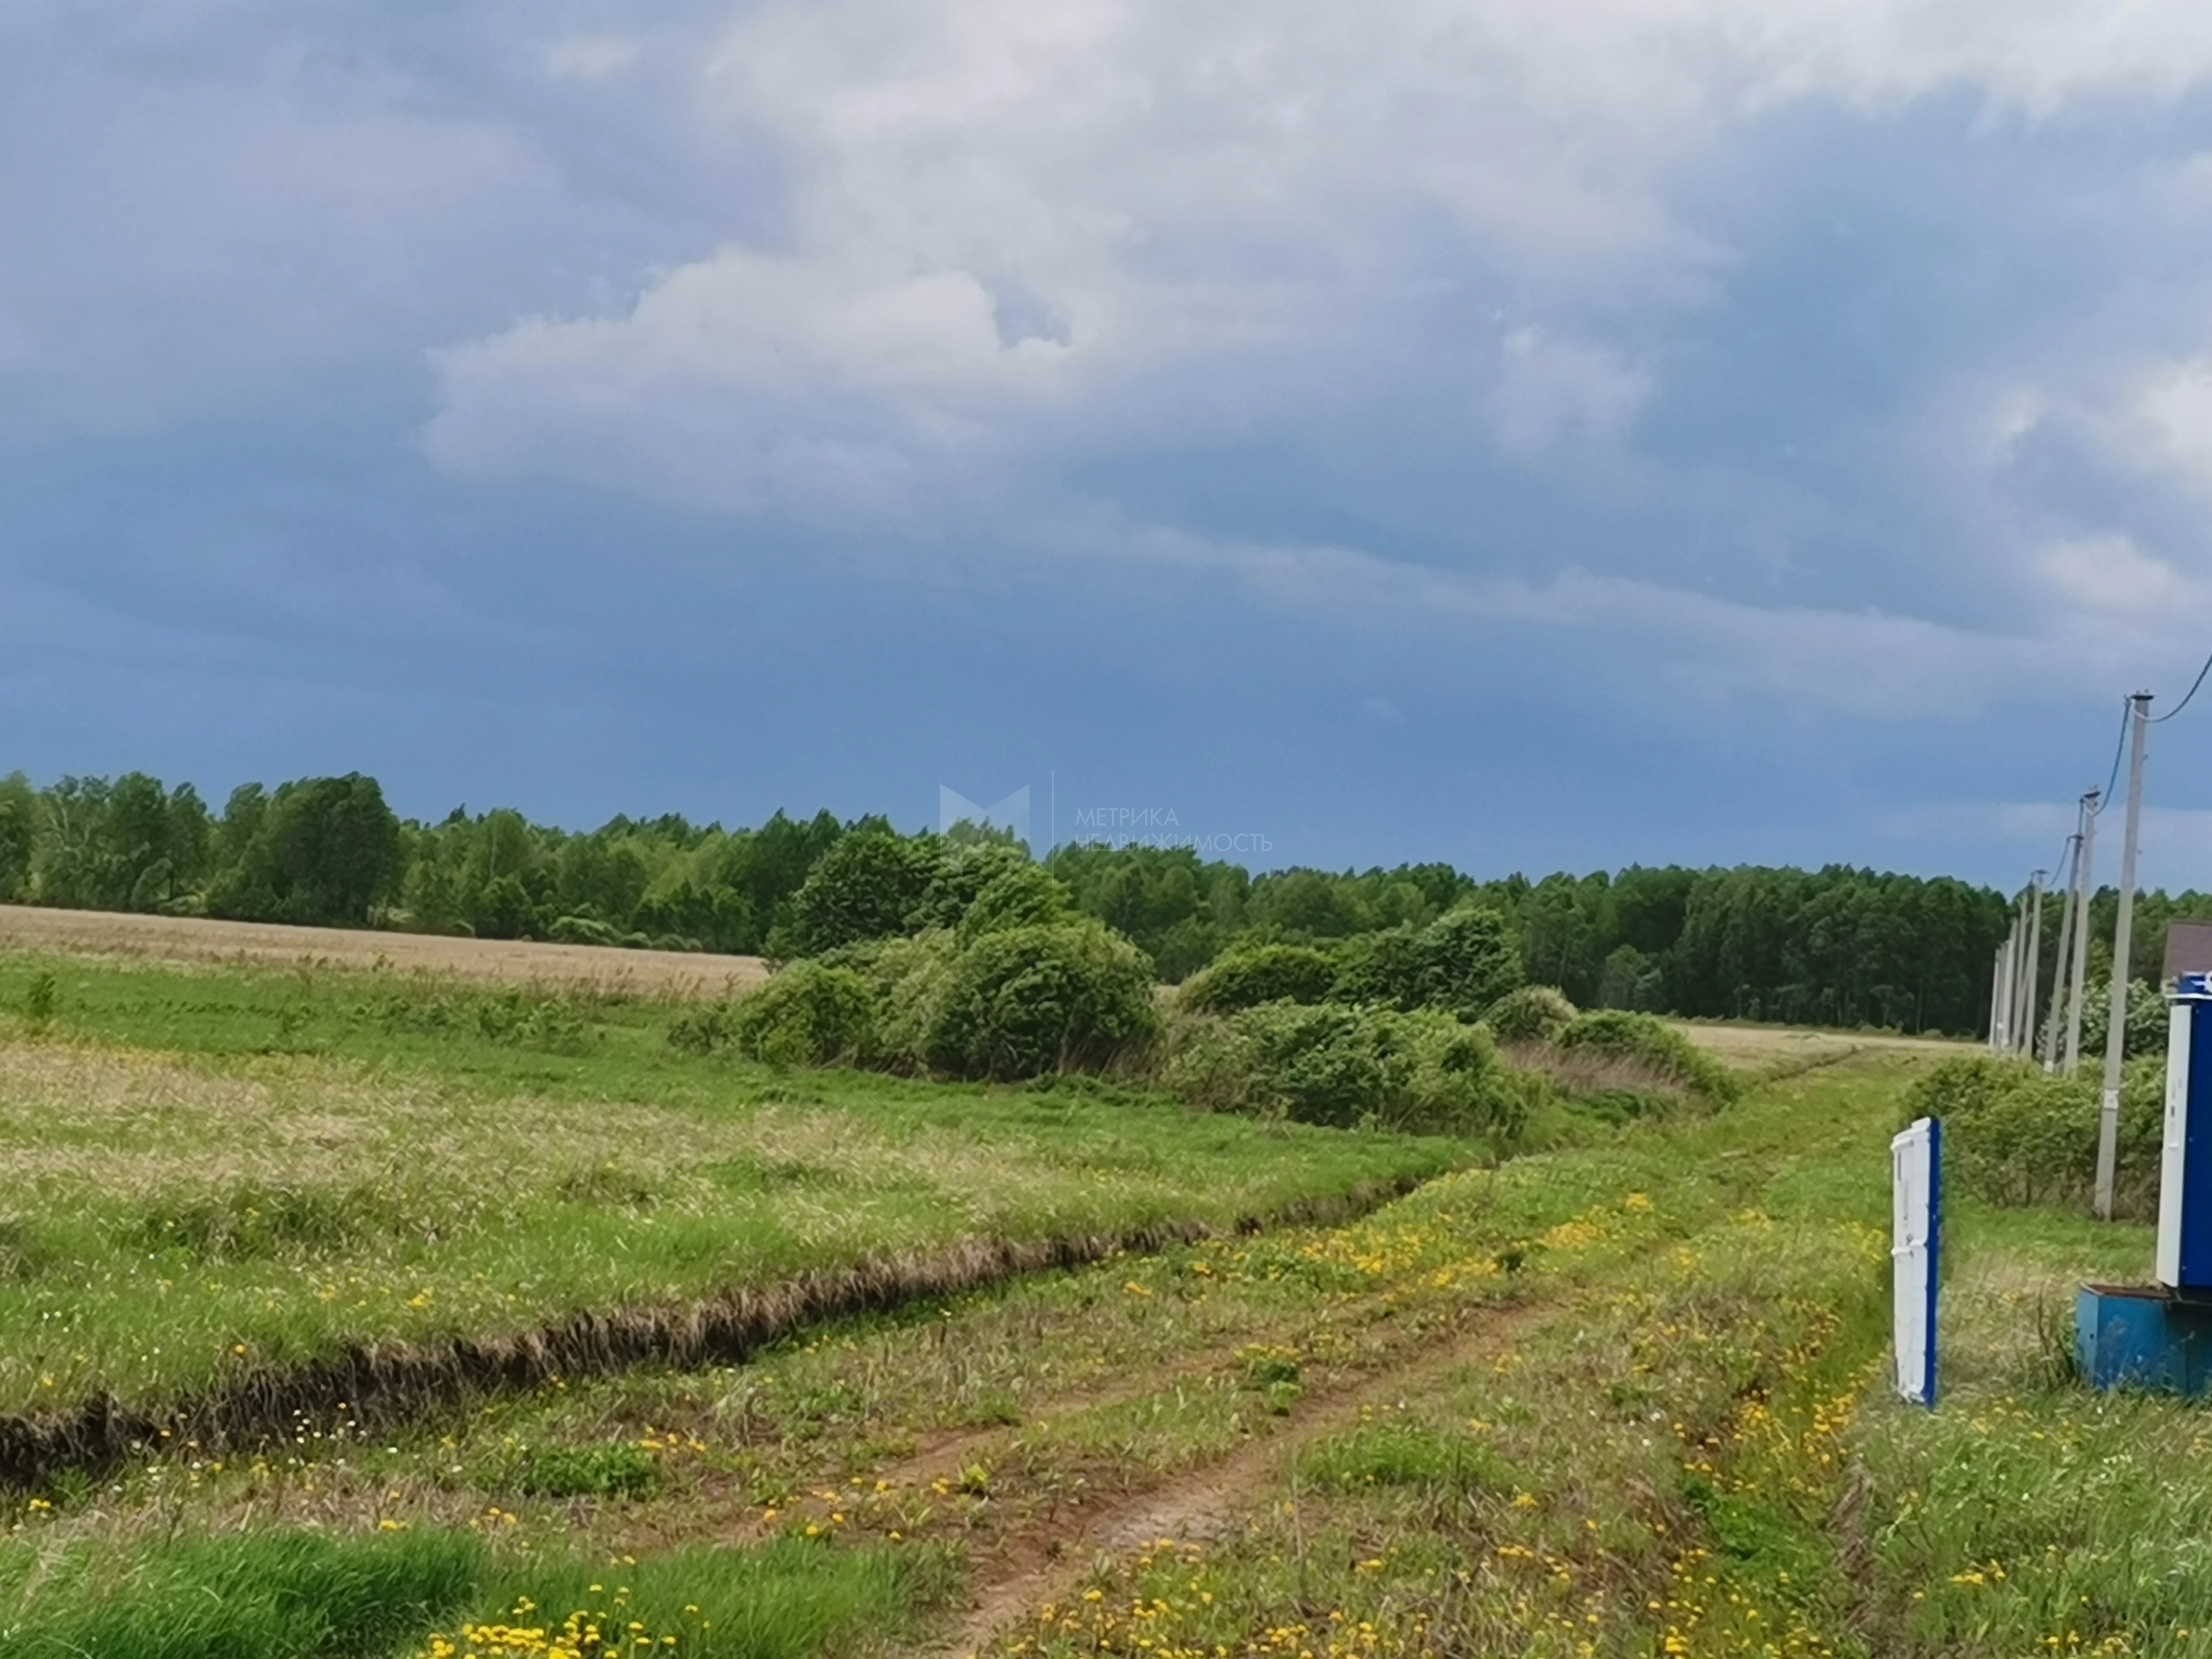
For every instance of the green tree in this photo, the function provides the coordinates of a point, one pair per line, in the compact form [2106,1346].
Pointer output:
[19,834]
[75,866]
[327,851]
[242,815]
[191,842]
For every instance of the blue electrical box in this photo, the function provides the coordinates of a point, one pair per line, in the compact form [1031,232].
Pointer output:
[2185,1190]
[2144,1336]
[2160,1336]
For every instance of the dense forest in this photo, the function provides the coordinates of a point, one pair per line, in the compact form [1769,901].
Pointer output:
[1837,947]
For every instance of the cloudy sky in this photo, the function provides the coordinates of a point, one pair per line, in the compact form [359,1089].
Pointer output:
[1531,436]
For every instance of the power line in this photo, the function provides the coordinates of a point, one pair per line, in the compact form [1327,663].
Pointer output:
[2127,712]
[2183,703]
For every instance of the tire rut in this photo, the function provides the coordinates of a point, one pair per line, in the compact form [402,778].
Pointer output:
[945,1453]
[1030,1566]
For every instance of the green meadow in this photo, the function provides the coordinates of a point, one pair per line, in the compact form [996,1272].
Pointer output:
[1187,1384]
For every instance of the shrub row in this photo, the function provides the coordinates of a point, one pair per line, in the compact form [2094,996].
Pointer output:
[2013,1136]
[1462,962]
[979,1001]
[876,885]
[1424,1072]
[1002,983]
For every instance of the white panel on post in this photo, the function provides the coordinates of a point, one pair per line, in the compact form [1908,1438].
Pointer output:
[1916,1159]
[2174,1149]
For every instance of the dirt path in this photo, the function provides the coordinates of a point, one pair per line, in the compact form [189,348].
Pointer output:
[1043,1562]
[514,962]
[941,1455]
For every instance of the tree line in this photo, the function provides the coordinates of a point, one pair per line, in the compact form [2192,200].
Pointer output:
[1839,945]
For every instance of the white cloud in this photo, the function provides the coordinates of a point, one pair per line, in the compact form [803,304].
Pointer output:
[1182,190]
[2110,573]
[751,384]
[1183,195]
[2168,422]
[931,257]
[2034,55]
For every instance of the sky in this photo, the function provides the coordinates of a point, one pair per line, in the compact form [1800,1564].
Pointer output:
[1615,431]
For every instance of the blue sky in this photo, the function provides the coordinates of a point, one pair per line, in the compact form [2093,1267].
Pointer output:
[1703,430]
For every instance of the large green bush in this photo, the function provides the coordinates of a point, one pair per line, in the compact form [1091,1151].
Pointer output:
[1464,961]
[1333,1064]
[1535,1013]
[1461,962]
[870,885]
[1313,1063]
[1070,996]
[2013,1135]
[910,975]
[1648,1052]
[2147,1018]
[808,1015]
[1249,975]
[1382,968]
[1024,894]
[959,875]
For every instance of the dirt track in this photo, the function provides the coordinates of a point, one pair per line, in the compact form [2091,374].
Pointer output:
[1044,1563]
[178,938]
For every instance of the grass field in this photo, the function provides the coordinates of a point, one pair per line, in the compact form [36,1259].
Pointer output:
[243,944]
[207,1180]
[1783,1048]
[1619,1397]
